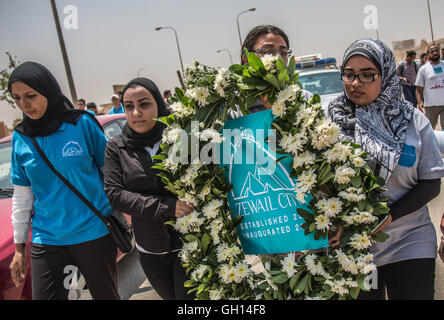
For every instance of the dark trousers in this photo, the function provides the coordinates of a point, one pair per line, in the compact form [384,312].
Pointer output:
[53,268]
[404,280]
[410,94]
[166,275]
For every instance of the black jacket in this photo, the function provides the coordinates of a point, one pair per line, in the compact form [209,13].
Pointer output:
[133,188]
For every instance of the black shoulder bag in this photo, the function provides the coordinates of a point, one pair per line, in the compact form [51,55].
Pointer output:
[121,232]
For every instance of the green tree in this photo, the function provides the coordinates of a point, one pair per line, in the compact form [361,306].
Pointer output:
[4,78]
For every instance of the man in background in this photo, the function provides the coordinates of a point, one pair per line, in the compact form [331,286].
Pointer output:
[117,106]
[407,71]
[430,84]
[81,104]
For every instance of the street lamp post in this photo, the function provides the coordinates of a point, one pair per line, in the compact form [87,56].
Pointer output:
[64,53]
[177,42]
[229,53]
[430,21]
[237,19]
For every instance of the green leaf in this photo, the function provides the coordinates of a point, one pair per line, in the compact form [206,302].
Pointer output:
[354,292]
[280,278]
[294,280]
[312,227]
[267,296]
[205,242]
[301,285]
[291,66]
[272,79]
[307,216]
[190,238]
[236,68]
[255,62]
[356,181]
[380,236]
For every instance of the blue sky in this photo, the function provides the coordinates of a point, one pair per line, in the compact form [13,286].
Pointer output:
[115,39]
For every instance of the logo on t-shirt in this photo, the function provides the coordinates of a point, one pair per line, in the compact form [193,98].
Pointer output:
[72,149]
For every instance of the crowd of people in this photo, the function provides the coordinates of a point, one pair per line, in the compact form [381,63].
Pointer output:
[376,110]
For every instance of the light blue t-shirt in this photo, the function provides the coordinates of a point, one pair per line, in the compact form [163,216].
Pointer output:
[115,111]
[77,152]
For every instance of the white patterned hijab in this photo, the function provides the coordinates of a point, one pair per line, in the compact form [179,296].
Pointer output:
[379,127]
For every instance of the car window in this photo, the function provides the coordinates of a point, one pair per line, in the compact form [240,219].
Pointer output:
[322,83]
[5,165]
[122,121]
[112,129]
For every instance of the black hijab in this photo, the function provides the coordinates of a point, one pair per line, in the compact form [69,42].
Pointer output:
[59,109]
[142,140]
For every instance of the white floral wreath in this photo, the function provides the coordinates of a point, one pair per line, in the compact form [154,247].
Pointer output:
[344,189]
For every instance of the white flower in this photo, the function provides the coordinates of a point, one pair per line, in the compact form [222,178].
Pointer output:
[181,225]
[205,191]
[221,81]
[171,134]
[305,158]
[269,61]
[180,110]
[217,294]
[225,252]
[322,222]
[289,265]
[359,217]
[198,273]
[242,271]
[347,262]
[334,207]
[339,153]
[215,228]
[325,134]
[338,286]
[305,116]
[224,273]
[199,94]
[189,198]
[211,210]
[358,162]
[190,174]
[360,241]
[171,165]
[315,268]
[352,194]
[306,180]
[278,109]
[343,174]
[211,135]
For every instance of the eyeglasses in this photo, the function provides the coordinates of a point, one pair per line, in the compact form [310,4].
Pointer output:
[273,51]
[364,77]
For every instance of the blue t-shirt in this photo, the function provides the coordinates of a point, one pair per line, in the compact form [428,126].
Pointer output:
[77,152]
[115,111]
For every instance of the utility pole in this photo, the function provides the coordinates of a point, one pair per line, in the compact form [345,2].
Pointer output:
[64,53]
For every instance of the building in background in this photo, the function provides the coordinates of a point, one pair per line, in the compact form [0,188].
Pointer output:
[400,47]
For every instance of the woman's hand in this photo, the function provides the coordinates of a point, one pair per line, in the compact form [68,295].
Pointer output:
[18,272]
[264,101]
[335,241]
[183,208]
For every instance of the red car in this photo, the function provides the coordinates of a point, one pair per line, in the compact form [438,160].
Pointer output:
[112,125]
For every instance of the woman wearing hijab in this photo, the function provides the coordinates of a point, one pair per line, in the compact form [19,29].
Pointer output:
[134,188]
[403,150]
[65,232]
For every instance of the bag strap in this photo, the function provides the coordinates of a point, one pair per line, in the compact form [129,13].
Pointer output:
[73,189]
